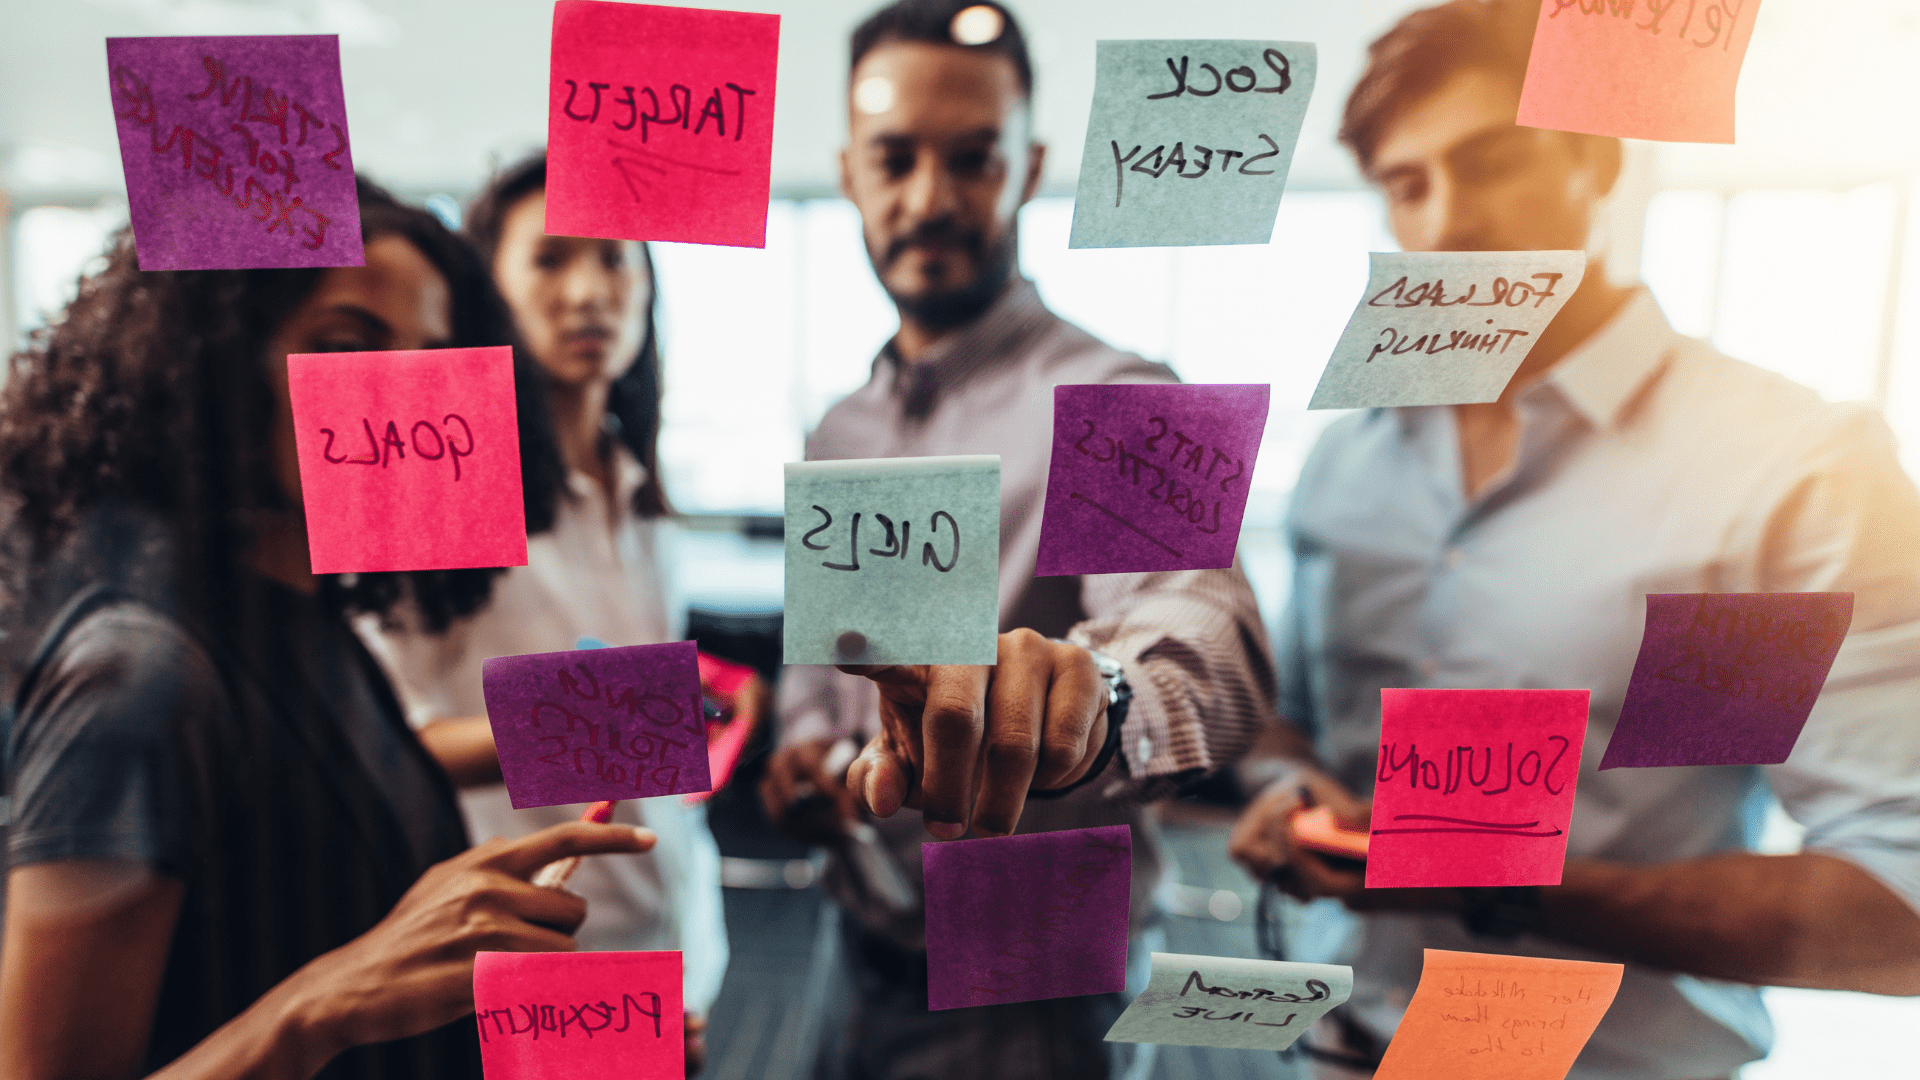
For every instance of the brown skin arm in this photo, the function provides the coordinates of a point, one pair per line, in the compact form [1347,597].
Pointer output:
[463,745]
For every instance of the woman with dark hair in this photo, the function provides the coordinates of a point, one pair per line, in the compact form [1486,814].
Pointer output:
[584,307]
[228,854]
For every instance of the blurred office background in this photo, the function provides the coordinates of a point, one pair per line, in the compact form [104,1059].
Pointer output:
[1796,249]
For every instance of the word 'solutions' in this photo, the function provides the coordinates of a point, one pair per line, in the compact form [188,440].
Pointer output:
[660,123]
[409,460]
[616,723]
[1474,787]
[1020,918]
[893,561]
[1476,1016]
[1638,69]
[560,1016]
[235,151]
[1231,1002]
[1445,327]
[1149,476]
[1727,678]
[1189,141]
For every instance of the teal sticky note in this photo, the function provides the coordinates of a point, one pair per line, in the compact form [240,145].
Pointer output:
[893,561]
[1189,141]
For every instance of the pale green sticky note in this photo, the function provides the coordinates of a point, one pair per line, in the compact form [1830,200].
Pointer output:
[893,561]
[1231,1002]
[1189,141]
[1445,327]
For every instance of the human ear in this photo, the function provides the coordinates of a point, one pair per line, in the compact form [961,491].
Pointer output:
[1036,168]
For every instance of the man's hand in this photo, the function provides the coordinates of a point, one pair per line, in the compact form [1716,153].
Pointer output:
[1262,839]
[799,773]
[964,744]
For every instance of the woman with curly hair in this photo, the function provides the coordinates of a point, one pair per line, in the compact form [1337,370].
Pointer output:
[229,855]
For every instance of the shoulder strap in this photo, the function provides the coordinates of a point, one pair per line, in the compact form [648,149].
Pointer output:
[82,604]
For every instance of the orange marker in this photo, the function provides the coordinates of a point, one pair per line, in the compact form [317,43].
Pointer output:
[555,874]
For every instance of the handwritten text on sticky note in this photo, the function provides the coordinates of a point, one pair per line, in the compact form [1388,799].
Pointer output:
[1149,476]
[1231,1002]
[409,460]
[562,1016]
[1189,141]
[1445,327]
[1727,678]
[893,561]
[1477,1016]
[1474,787]
[660,123]
[1662,69]
[235,151]
[618,723]
[1025,917]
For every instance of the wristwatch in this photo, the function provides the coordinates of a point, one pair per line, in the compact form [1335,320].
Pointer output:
[1119,696]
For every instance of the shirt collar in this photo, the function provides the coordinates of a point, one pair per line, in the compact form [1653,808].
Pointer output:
[997,336]
[1603,373]
[628,475]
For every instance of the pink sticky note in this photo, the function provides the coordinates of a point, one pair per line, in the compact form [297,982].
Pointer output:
[1020,918]
[1664,69]
[617,723]
[1149,476]
[660,123]
[235,151]
[1727,678]
[409,460]
[579,1016]
[1474,787]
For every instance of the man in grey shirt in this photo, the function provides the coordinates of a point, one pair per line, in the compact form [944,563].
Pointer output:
[1512,544]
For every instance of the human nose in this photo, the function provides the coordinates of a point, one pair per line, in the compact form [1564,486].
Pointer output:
[1456,216]
[929,193]
[584,286]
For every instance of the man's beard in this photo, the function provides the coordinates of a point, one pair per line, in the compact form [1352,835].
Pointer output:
[945,308]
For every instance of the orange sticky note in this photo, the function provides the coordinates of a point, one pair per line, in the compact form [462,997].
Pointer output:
[1638,69]
[1478,1016]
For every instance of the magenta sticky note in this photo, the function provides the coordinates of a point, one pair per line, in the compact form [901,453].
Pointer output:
[235,151]
[1149,476]
[1020,918]
[591,724]
[409,460]
[1474,787]
[579,1015]
[1726,678]
[660,123]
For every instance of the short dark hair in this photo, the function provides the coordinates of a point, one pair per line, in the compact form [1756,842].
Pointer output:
[1422,50]
[931,22]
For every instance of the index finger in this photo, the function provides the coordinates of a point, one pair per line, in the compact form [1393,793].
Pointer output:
[950,731]
[522,857]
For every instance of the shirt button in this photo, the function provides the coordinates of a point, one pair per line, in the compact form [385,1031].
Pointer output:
[1143,751]
[1453,557]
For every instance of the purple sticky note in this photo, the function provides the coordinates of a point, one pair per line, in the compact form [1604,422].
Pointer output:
[1149,476]
[1727,678]
[1020,918]
[595,724]
[235,151]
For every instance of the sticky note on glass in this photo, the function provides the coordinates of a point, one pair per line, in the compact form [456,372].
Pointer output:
[1476,1016]
[1230,1002]
[1445,327]
[1020,918]
[235,151]
[1189,141]
[409,460]
[564,1016]
[1727,678]
[1474,787]
[660,123]
[1149,476]
[592,724]
[893,561]
[1665,69]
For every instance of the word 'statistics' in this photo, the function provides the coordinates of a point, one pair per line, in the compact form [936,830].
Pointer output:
[612,723]
[1231,1002]
[1727,678]
[660,123]
[235,151]
[1020,918]
[568,1016]
[1189,141]
[1474,787]
[1149,476]
[409,460]
[1476,1016]
[1638,69]
[893,561]
[1445,327]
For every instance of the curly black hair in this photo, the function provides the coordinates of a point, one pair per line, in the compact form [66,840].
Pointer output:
[136,436]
